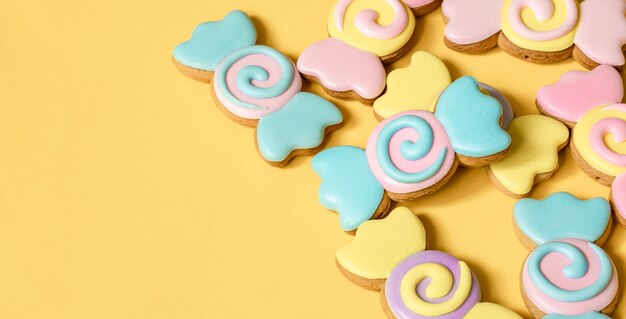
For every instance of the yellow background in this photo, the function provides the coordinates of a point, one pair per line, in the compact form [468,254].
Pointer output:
[125,193]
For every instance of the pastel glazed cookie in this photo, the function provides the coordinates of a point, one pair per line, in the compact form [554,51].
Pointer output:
[379,246]
[599,143]
[533,157]
[569,277]
[430,284]
[539,31]
[567,273]
[601,34]
[561,216]
[508,114]
[472,26]
[415,87]
[343,71]
[384,28]
[410,155]
[589,315]
[211,42]
[577,92]
[618,198]
[349,187]
[259,87]
[422,7]
[472,120]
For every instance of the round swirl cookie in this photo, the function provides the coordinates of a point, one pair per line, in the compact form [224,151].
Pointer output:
[539,31]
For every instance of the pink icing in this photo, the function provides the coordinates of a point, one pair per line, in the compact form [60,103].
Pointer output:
[619,194]
[366,20]
[270,104]
[417,3]
[472,21]
[342,67]
[578,92]
[552,266]
[602,31]
[614,126]
[440,141]
[543,10]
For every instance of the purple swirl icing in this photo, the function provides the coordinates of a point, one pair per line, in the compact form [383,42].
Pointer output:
[392,286]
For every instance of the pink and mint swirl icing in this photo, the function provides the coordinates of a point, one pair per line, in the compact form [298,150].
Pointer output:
[255,81]
[569,277]
[409,152]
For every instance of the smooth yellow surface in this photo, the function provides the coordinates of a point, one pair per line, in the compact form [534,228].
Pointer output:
[528,17]
[486,310]
[125,193]
[415,87]
[535,142]
[380,245]
[351,34]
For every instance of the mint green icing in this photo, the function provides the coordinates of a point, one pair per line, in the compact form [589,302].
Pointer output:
[562,215]
[250,73]
[589,315]
[348,185]
[211,42]
[300,124]
[472,119]
[577,269]
[409,150]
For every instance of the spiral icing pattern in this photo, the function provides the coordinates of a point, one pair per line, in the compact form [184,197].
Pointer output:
[569,277]
[409,152]
[255,81]
[378,26]
[541,25]
[431,284]
[600,139]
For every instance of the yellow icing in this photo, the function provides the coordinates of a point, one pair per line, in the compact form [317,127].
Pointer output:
[415,87]
[380,245]
[583,145]
[353,36]
[530,20]
[441,284]
[534,150]
[485,310]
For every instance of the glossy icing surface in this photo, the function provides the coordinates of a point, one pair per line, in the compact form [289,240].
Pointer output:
[415,87]
[600,138]
[589,315]
[618,191]
[211,42]
[540,25]
[342,67]
[472,119]
[471,22]
[348,185]
[431,284]
[580,91]
[256,81]
[562,215]
[602,31]
[486,310]
[535,142]
[409,152]
[300,124]
[569,277]
[380,245]
[380,27]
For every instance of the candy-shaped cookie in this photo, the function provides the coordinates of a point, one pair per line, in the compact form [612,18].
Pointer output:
[567,273]
[257,86]
[433,284]
[422,7]
[534,155]
[590,103]
[540,31]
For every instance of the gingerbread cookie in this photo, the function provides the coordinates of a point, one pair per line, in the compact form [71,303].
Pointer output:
[540,31]
[257,86]
[589,102]
[567,273]
[534,154]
